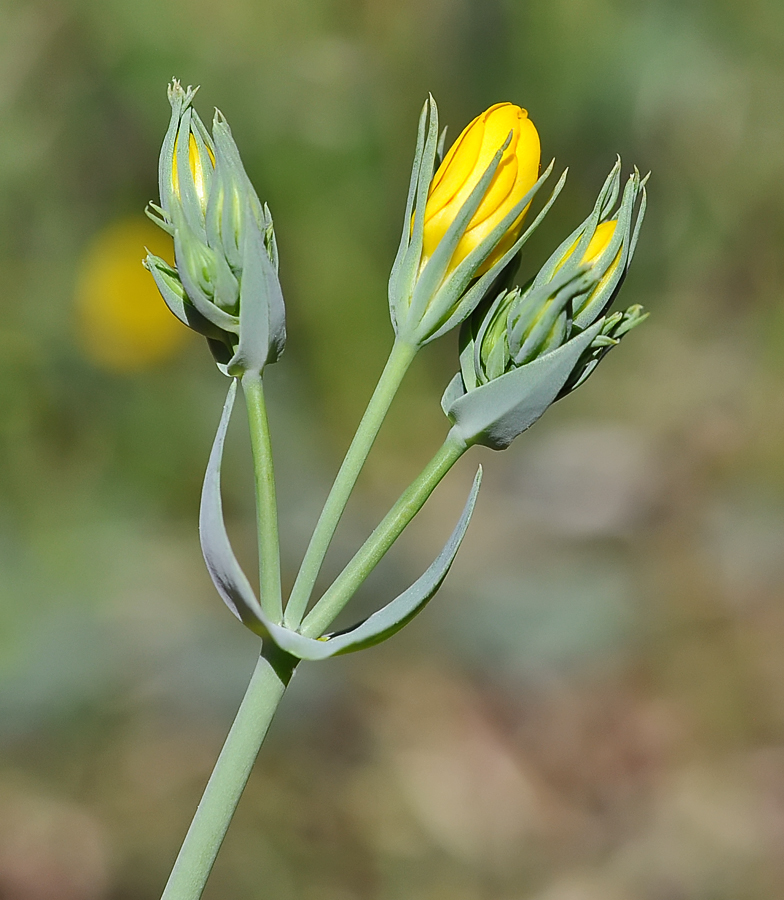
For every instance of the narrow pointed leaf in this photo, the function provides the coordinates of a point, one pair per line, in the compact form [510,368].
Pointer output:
[226,573]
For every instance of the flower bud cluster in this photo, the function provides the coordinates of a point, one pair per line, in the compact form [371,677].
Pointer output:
[224,284]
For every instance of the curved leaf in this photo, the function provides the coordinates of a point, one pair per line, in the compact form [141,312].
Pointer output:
[226,573]
[237,593]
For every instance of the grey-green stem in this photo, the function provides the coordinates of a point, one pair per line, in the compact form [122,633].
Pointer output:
[400,358]
[266,504]
[230,775]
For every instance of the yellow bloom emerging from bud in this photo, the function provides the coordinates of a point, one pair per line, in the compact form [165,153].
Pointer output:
[197,163]
[598,243]
[121,323]
[596,246]
[463,166]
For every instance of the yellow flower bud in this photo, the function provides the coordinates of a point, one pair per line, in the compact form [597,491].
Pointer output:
[463,166]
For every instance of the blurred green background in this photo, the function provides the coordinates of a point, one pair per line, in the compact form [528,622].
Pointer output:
[593,707]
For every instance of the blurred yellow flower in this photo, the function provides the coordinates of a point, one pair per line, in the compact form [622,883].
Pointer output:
[122,323]
[462,168]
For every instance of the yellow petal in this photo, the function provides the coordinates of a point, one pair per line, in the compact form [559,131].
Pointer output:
[196,164]
[526,171]
[457,166]
[463,167]
[598,243]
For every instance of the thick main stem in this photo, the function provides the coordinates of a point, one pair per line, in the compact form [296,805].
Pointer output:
[397,365]
[230,775]
[266,504]
[386,533]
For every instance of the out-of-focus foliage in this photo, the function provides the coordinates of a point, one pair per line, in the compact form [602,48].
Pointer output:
[593,708]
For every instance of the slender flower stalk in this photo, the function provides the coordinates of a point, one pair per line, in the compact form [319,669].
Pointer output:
[400,358]
[383,537]
[266,503]
[472,213]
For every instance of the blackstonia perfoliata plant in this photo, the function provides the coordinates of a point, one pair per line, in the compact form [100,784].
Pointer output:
[522,348]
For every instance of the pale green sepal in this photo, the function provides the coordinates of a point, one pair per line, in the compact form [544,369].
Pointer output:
[262,312]
[188,199]
[238,595]
[218,211]
[640,217]
[615,259]
[454,390]
[495,413]
[405,274]
[236,191]
[174,296]
[157,215]
[452,289]
[197,270]
[548,302]
[270,241]
[472,339]
[614,328]
[468,369]
[405,237]
[179,100]
[581,236]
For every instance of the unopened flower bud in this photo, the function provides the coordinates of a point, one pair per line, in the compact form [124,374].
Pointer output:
[470,224]
[187,160]
[537,344]
[225,282]
[461,170]
[602,246]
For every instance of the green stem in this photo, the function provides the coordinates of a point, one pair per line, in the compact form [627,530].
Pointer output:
[370,553]
[400,359]
[227,782]
[266,505]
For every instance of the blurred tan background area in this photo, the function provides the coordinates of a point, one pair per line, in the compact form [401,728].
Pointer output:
[593,706]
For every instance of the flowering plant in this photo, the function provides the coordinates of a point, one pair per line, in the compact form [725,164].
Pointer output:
[522,348]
